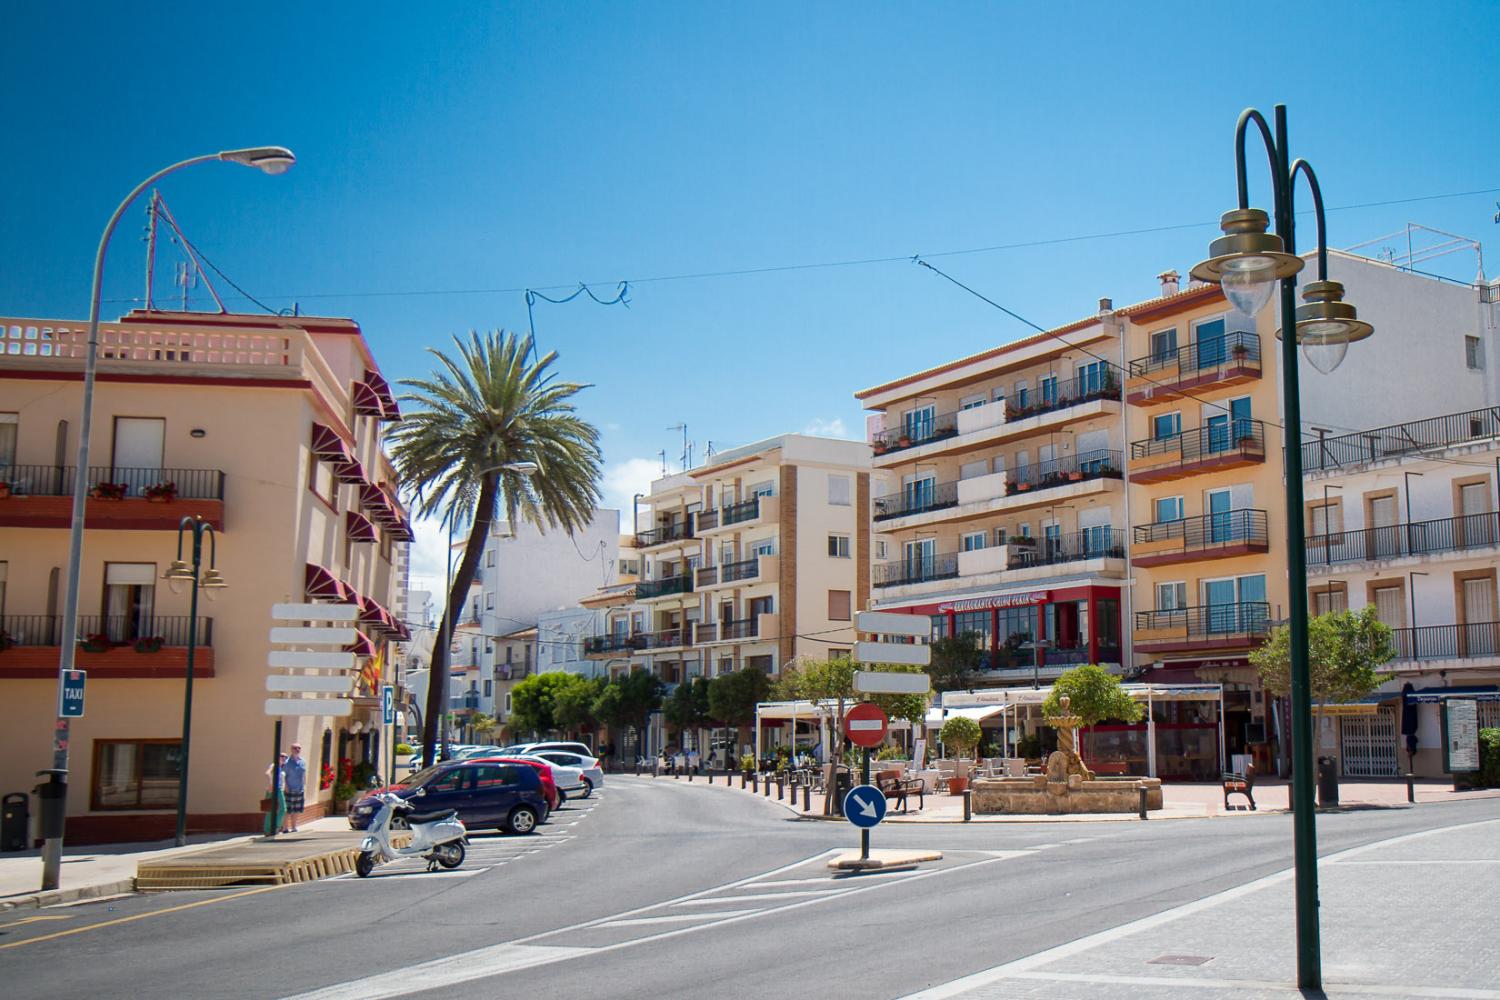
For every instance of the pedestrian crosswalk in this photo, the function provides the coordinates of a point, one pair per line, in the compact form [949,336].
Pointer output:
[488,849]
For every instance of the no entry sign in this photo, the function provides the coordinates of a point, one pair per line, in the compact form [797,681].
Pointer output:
[866,725]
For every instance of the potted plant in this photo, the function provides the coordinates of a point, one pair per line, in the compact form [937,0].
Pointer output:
[1075,475]
[6,641]
[109,491]
[149,644]
[880,446]
[1240,352]
[4,489]
[163,492]
[904,441]
[960,735]
[96,643]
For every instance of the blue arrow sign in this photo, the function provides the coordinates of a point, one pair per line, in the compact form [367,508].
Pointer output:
[72,694]
[864,806]
[388,704]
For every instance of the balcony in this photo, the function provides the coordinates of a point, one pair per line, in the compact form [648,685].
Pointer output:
[665,534]
[1085,467]
[672,586]
[916,432]
[676,637]
[41,496]
[1209,536]
[122,646]
[1230,445]
[761,627]
[1349,451]
[1217,626]
[762,568]
[610,645]
[707,577]
[752,513]
[1214,364]
[1479,640]
[1064,395]
[923,569]
[918,498]
[1420,538]
[1077,546]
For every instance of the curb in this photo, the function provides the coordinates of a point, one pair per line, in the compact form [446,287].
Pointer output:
[55,896]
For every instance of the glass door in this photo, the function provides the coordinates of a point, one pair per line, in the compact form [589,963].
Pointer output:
[919,557]
[1220,521]
[917,424]
[1211,343]
[1219,605]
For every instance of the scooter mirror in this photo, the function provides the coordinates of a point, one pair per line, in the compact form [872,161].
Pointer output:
[375,781]
[419,792]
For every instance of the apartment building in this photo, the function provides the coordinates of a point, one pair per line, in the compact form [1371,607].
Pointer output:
[1207,501]
[1403,517]
[1001,504]
[269,428]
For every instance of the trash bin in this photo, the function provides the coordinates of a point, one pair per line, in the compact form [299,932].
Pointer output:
[1328,781]
[15,817]
[842,783]
[53,805]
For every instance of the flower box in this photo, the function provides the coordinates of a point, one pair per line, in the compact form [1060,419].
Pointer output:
[149,644]
[96,643]
[109,491]
[163,492]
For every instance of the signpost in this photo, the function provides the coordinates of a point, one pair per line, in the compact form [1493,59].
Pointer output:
[865,726]
[72,694]
[1460,736]
[885,682]
[888,624]
[388,718]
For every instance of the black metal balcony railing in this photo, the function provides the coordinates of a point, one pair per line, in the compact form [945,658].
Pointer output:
[676,531]
[58,480]
[738,513]
[914,432]
[745,569]
[918,498]
[918,569]
[706,520]
[705,632]
[682,635]
[647,589]
[597,644]
[1233,349]
[1104,384]
[1444,534]
[1447,642]
[46,630]
[1101,543]
[744,628]
[1061,471]
[1362,447]
[1206,531]
[707,576]
[1241,435]
[1248,618]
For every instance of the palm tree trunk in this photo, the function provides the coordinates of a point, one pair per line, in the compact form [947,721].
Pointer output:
[437,677]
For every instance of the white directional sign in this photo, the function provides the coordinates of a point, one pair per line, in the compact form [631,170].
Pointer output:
[324,683]
[309,706]
[293,636]
[885,682]
[893,652]
[315,612]
[303,659]
[887,623]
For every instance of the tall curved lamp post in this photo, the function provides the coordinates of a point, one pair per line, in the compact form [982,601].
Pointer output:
[211,581]
[268,159]
[1247,262]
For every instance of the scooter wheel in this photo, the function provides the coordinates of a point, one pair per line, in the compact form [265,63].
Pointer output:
[364,864]
[449,855]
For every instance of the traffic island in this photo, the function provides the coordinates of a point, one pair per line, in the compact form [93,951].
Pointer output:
[304,857]
[881,860]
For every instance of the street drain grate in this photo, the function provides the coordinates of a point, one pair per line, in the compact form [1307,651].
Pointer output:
[1180,960]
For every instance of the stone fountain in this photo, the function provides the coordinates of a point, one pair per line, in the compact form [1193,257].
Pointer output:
[1066,785]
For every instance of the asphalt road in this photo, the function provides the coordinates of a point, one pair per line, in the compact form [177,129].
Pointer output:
[658,888]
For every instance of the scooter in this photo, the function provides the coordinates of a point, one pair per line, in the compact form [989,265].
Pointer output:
[438,837]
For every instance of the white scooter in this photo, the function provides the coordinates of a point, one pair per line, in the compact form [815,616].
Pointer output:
[438,837]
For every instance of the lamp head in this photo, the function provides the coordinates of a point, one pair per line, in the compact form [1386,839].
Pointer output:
[269,159]
[1247,261]
[524,468]
[177,575]
[1327,325]
[212,580]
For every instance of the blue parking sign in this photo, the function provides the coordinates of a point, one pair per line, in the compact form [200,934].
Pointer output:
[72,694]
[864,806]
[388,704]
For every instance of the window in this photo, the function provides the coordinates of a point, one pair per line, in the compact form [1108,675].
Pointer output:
[1047,389]
[838,606]
[1327,519]
[507,703]
[880,552]
[970,402]
[1022,395]
[1473,353]
[1211,348]
[1328,599]
[838,491]
[129,601]
[1093,377]
[1165,425]
[489,688]
[1171,596]
[494,776]
[765,664]
[135,774]
[838,546]
[489,601]
[1164,345]
[8,424]
[999,536]
[764,547]
[975,624]
[939,627]
[489,559]
[838,654]
[918,424]
[321,482]
[1168,509]
[973,541]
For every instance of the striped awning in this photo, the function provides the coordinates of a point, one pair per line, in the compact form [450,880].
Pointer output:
[359,527]
[349,472]
[361,646]
[320,584]
[367,402]
[327,445]
[382,390]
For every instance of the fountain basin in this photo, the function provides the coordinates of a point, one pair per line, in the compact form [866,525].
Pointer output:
[1036,795]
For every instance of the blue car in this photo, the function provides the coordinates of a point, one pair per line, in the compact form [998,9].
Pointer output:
[507,797]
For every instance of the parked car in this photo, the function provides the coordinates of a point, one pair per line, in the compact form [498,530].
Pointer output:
[581,749]
[589,771]
[543,770]
[506,796]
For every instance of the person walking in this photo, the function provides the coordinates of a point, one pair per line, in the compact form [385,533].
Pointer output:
[276,815]
[294,782]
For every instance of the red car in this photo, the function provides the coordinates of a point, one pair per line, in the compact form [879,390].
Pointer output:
[543,770]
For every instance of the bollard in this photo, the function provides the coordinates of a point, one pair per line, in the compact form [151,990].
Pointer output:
[742,779]
[1140,791]
[767,784]
[637,767]
[968,805]
[1411,787]
[780,790]
[807,798]
[691,772]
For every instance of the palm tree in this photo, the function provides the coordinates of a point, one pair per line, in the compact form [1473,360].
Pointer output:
[460,452]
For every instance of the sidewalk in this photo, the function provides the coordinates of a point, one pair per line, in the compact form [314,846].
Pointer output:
[90,872]
[1179,801]
[1412,916]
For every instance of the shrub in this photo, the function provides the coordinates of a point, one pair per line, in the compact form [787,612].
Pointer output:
[890,752]
[1029,746]
[747,762]
[1489,758]
[960,734]
[403,748]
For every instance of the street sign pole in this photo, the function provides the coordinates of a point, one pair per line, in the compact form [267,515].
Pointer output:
[864,833]
[274,813]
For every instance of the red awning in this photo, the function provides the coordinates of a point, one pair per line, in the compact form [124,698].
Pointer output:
[349,472]
[376,503]
[367,402]
[327,445]
[371,615]
[320,584]
[402,633]
[359,527]
[361,646]
[382,390]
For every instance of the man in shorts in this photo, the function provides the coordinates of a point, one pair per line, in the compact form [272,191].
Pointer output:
[294,781]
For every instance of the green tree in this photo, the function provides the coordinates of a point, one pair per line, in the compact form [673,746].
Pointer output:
[1094,695]
[687,706]
[1344,650]
[534,702]
[955,658]
[960,734]
[732,698]
[573,703]
[482,411]
[911,707]
[628,700]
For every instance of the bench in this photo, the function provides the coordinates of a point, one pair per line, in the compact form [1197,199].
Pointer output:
[893,786]
[1242,784]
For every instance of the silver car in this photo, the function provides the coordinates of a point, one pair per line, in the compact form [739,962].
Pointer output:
[588,772]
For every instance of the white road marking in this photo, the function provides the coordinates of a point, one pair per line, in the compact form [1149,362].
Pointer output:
[772,896]
[850,879]
[1186,983]
[1433,861]
[379,876]
[442,972]
[675,918]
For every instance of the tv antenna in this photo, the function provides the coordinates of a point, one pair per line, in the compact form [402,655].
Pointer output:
[687,446]
[188,272]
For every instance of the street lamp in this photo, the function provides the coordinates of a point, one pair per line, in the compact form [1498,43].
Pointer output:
[211,581]
[268,159]
[1039,649]
[1246,262]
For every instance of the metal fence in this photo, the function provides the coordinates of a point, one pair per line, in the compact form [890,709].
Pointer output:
[917,431]
[1239,435]
[916,570]
[1401,439]
[1103,383]
[647,589]
[1209,530]
[58,480]
[1239,349]
[1100,543]
[1447,642]
[116,630]
[675,532]
[917,498]
[1244,618]
[1089,465]
[1444,534]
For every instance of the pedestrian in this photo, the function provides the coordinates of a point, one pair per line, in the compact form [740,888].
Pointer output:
[276,774]
[294,781]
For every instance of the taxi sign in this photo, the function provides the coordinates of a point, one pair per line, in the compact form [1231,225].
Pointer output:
[72,694]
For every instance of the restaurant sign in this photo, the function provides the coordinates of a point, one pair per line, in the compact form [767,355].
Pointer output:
[1030,597]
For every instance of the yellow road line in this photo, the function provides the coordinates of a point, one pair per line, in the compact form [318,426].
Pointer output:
[32,920]
[143,916]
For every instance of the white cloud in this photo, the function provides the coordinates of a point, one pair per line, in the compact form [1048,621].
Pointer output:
[428,545]
[622,480]
[834,428]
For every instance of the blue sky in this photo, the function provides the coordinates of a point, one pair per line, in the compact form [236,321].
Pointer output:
[453,148]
